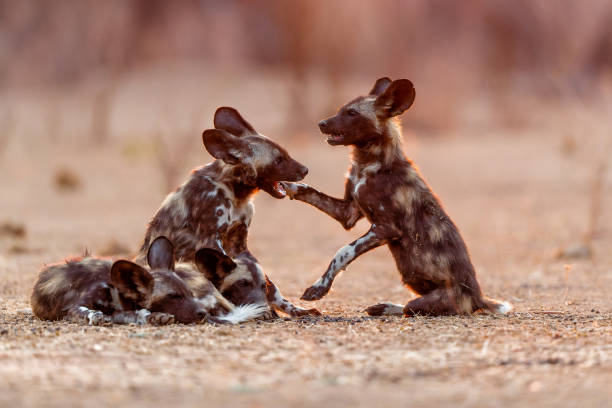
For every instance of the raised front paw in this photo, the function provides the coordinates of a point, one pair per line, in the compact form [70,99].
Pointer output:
[315,292]
[160,319]
[298,312]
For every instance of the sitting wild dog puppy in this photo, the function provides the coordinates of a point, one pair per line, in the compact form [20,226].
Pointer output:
[384,186]
[213,208]
[98,291]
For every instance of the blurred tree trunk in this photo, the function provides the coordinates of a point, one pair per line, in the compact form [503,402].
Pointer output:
[296,19]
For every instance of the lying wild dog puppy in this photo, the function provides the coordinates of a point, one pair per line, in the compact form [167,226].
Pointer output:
[215,269]
[213,208]
[384,186]
[97,291]
[242,282]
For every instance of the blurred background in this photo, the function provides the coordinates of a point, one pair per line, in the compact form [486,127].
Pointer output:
[474,62]
[95,95]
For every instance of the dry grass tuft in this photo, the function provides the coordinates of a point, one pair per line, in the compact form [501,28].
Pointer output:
[12,230]
[66,180]
[575,251]
[114,248]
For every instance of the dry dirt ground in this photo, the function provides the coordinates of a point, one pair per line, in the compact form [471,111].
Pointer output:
[517,197]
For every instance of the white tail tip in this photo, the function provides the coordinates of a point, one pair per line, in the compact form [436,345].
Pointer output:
[244,313]
[504,308]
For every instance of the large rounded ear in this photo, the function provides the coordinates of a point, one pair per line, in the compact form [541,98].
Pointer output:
[214,264]
[222,145]
[398,97]
[132,281]
[380,86]
[161,254]
[229,119]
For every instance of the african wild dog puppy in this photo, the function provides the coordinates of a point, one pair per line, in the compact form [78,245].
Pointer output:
[242,282]
[384,186]
[213,208]
[98,291]
[215,269]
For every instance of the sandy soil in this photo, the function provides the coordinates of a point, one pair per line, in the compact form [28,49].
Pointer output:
[516,196]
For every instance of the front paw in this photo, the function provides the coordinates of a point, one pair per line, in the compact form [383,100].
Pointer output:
[97,318]
[160,319]
[315,292]
[292,189]
[305,312]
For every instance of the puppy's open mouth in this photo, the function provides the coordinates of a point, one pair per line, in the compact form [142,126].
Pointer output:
[279,189]
[335,138]
[275,189]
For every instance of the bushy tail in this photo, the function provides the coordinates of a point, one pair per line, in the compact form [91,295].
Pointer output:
[497,306]
[242,313]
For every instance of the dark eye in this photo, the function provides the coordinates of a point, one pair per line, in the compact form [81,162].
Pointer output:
[279,160]
[352,112]
[174,296]
[243,283]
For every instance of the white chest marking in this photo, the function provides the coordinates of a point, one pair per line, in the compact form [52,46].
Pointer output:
[362,176]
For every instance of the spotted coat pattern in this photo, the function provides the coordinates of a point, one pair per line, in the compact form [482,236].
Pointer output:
[386,188]
[97,291]
[213,208]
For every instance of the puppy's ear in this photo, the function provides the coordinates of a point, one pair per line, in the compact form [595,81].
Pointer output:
[214,264]
[229,119]
[132,281]
[161,254]
[398,97]
[222,145]
[380,86]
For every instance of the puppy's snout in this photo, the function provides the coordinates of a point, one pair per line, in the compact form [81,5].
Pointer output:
[323,125]
[303,171]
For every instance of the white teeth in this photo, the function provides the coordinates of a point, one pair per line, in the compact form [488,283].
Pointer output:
[279,189]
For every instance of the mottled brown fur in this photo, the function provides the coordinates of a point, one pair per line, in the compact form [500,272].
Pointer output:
[386,188]
[213,208]
[99,291]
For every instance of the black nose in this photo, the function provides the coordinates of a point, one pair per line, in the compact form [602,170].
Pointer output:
[323,125]
[304,171]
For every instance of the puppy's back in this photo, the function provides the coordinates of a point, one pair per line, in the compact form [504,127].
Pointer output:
[60,286]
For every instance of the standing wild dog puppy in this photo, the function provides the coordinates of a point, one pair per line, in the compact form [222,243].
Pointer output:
[213,208]
[98,291]
[384,186]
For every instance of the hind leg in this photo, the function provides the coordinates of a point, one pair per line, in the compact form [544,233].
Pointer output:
[385,309]
[439,302]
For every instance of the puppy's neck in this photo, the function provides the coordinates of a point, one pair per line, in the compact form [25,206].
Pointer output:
[383,150]
[242,192]
[232,176]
